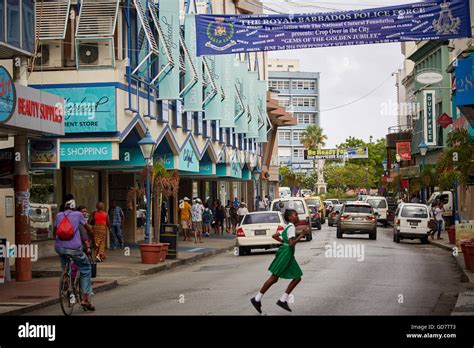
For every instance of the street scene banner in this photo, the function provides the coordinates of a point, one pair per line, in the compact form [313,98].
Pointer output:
[430,20]
[404,150]
[321,154]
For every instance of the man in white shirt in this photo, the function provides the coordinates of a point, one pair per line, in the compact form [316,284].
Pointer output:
[242,211]
[438,212]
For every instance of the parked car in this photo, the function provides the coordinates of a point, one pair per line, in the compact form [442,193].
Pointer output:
[380,206]
[357,218]
[412,222]
[334,201]
[318,202]
[334,214]
[306,193]
[315,217]
[256,230]
[298,204]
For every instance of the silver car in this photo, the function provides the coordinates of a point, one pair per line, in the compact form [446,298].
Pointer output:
[357,218]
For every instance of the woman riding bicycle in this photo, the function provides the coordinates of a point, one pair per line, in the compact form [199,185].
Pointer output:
[73,248]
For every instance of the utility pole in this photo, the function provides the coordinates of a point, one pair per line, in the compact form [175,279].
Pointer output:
[22,186]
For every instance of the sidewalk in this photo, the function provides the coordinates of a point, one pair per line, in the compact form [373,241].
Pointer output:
[119,268]
[465,302]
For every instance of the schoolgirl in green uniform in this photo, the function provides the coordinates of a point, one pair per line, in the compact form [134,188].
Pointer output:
[284,265]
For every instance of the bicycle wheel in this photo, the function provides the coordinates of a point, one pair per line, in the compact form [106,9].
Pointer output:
[67,297]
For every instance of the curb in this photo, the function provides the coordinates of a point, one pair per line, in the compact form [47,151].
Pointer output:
[113,284]
[442,246]
[36,306]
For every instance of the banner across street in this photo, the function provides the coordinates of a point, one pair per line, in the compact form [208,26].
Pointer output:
[226,34]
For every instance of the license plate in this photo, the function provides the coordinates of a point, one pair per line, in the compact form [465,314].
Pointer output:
[357,219]
[260,232]
[413,223]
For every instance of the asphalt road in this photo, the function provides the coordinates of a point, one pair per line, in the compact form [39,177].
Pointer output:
[390,279]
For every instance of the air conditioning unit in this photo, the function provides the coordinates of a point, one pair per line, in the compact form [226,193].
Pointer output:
[95,53]
[49,55]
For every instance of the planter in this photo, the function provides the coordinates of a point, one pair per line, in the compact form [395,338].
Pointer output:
[470,255]
[451,234]
[153,253]
[464,253]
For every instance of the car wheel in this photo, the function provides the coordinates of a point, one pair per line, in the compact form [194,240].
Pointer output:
[424,240]
[242,251]
[309,237]
[396,237]
[323,220]
[339,233]
[373,235]
[318,226]
[385,224]
[329,223]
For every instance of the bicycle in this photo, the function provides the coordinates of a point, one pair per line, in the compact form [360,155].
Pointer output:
[70,287]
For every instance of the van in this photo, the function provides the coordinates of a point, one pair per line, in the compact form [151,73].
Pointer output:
[380,206]
[412,222]
[447,198]
[298,204]
[318,202]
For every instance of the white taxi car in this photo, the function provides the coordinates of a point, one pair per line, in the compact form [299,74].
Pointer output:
[256,230]
[411,222]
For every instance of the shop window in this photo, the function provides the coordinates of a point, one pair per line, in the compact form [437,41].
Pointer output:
[45,195]
[196,123]
[13,22]
[28,25]
[213,130]
[86,188]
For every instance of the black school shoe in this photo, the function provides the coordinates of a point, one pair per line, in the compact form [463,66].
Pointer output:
[256,304]
[283,305]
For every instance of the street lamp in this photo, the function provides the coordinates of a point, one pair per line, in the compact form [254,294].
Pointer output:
[147,145]
[256,174]
[423,150]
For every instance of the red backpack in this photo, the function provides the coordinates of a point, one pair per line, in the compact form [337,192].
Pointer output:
[65,230]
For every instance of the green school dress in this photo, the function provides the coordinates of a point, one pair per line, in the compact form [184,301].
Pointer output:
[284,265]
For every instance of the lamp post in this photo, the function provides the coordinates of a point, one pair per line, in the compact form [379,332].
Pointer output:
[256,174]
[398,158]
[147,145]
[423,150]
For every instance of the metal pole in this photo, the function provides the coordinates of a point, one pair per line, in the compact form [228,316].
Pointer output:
[423,200]
[22,188]
[148,203]
[456,211]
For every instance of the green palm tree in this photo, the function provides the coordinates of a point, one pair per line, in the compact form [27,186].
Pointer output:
[313,138]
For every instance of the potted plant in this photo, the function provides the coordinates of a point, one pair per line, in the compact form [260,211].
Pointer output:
[464,252]
[469,247]
[451,234]
[162,183]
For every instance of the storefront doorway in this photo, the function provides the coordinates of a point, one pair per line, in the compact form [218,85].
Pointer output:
[86,188]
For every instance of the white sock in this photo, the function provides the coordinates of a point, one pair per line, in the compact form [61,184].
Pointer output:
[259,296]
[284,297]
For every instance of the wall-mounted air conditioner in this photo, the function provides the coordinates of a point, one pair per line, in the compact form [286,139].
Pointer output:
[95,53]
[49,55]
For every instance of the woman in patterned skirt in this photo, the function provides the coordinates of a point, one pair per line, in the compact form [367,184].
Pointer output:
[100,225]
[284,265]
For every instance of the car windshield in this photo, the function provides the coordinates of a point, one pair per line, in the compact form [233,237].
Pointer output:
[335,201]
[337,207]
[362,209]
[414,212]
[313,201]
[295,205]
[263,218]
[377,203]
[312,208]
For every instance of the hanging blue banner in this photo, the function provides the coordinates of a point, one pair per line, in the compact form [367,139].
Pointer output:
[433,20]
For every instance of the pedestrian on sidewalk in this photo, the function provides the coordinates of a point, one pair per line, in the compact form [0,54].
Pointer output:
[242,211]
[100,222]
[85,235]
[261,204]
[234,218]
[197,211]
[438,212]
[284,265]
[207,219]
[227,216]
[219,218]
[117,219]
[185,217]
[267,202]
[236,203]
[73,248]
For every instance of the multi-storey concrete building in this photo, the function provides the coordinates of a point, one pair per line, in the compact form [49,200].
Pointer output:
[298,92]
